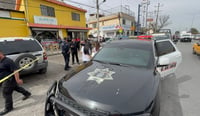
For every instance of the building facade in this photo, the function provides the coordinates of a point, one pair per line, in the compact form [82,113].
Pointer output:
[12,23]
[113,25]
[53,19]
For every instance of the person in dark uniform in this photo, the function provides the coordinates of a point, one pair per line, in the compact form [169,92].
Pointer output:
[7,67]
[78,40]
[74,51]
[89,44]
[66,53]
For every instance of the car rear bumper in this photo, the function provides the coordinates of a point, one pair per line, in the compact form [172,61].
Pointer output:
[185,39]
[38,67]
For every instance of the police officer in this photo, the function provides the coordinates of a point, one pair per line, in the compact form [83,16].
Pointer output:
[74,50]
[66,53]
[7,66]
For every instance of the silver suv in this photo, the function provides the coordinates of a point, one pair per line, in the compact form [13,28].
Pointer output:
[23,50]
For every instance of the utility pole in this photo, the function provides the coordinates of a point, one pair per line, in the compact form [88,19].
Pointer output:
[158,10]
[138,21]
[97,2]
[143,15]
[148,3]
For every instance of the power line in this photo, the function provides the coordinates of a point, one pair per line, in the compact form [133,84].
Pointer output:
[87,5]
[80,3]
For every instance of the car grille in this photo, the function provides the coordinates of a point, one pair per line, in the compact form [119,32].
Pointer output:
[82,109]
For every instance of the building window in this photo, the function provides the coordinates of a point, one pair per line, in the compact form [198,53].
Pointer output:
[164,47]
[102,22]
[132,23]
[75,16]
[47,11]
[124,22]
[94,25]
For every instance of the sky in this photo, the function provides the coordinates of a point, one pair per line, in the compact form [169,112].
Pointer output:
[184,14]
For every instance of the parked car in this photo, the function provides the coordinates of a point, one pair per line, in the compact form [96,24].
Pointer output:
[197,37]
[186,37]
[23,50]
[123,79]
[196,48]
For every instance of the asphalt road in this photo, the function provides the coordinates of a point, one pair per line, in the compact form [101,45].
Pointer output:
[179,92]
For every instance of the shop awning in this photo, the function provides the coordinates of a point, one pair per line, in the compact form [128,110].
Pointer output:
[57,26]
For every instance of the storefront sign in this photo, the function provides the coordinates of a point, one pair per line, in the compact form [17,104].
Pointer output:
[150,20]
[126,27]
[45,20]
[4,14]
[109,27]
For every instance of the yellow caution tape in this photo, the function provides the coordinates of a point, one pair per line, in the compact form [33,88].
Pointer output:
[25,66]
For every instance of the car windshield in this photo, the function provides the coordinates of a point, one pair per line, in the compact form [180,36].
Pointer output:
[161,37]
[19,46]
[125,56]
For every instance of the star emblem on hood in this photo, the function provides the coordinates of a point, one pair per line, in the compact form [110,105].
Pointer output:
[100,75]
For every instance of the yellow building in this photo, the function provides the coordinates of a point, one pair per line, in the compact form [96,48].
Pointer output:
[12,23]
[50,20]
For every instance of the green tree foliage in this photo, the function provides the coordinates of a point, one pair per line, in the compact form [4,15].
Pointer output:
[194,31]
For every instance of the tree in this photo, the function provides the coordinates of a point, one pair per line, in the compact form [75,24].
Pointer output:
[177,33]
[163,21]
[194,31]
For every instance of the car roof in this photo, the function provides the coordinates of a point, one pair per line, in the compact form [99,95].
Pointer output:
[131,43]
[159,34]
[15,38]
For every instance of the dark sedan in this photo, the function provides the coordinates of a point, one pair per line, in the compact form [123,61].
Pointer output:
[121,80]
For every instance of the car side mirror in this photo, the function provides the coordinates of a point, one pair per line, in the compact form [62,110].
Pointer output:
[163,62]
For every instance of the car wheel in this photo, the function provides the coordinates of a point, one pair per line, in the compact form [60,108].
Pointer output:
[43,71]
[49,107]
[24,60]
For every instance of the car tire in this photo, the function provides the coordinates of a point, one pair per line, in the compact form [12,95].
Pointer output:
[43,71]
[24,60]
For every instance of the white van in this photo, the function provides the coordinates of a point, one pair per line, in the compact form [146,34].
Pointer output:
[23,50]
[185,37]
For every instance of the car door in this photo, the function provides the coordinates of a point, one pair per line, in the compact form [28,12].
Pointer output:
[168,52]
[197,48]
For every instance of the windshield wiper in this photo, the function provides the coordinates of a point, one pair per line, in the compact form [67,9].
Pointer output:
[101,61]
[112,63]
[118,64]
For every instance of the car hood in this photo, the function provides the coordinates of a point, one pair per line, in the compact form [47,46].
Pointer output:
[119,89]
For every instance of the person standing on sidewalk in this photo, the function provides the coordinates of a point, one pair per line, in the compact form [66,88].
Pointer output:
[96,48]
[7,67]
[85,51]
[74,50]
[66,53]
